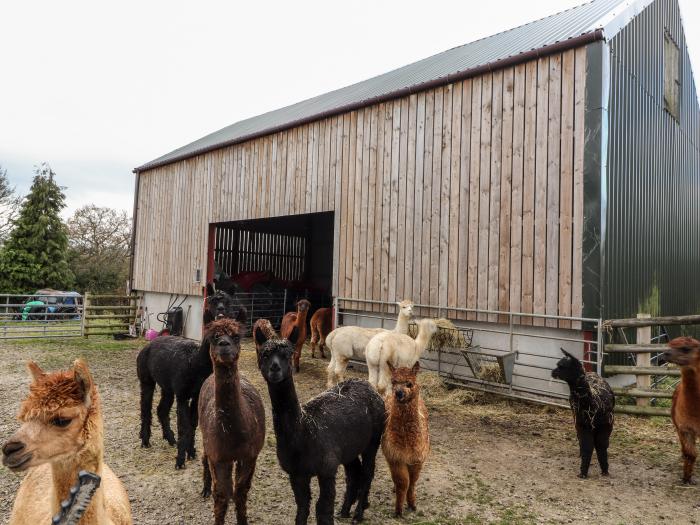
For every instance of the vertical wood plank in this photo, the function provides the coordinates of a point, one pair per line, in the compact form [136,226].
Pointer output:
[386,198]
[506,193]
[540,273]
[379,199]
[364,203]
[553,173]
[495,195]
[356,188]
[394,202]
[352,164]
[465,162]
[579,134]
[418,198]
[484,194]
[427,197]
[337,203]
[455,174]
[516,232]
[436,188]
[374,161]
[529,169]
[566,200]
[445,181]
[343,238]
[411,188]
[401,205]
[474,180]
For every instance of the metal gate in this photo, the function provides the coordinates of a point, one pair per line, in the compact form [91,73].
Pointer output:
[41,315]
[263,305]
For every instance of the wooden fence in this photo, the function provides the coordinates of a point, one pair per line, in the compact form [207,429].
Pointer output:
[108,314]
[651,378]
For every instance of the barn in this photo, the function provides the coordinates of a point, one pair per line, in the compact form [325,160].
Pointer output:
[525,185]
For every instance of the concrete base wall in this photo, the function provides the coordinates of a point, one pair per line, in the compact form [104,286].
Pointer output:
[192,309]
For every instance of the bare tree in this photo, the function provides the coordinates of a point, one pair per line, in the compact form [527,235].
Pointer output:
[10,204]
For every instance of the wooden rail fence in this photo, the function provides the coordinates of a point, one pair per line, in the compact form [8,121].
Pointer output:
[108,314]
[644,370]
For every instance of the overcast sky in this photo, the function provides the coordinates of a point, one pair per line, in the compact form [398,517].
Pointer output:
[97,88]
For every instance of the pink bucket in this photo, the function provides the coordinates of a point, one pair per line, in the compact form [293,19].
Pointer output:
[151,334]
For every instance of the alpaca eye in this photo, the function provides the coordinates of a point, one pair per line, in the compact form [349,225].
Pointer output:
[61,422]
[409,385]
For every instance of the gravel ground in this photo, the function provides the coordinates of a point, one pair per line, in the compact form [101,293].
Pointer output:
[492,461]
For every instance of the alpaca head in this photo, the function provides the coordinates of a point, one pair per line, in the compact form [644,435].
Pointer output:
[224,342]
[683,351]
[303,305]
[428,327]
[404,385]
[262,325]
[275,355]
[55,417]
[221,305]
[568,368]
[406,308]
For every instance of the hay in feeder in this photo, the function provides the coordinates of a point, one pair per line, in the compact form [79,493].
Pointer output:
[447,336]
[491,371]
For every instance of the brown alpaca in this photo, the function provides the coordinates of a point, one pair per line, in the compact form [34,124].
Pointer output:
[406,439]
[685,411]
[265,327]
[321,326]
[62,434]
[296,319]
[232,420]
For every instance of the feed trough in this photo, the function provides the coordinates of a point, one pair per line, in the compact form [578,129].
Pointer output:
[490,365]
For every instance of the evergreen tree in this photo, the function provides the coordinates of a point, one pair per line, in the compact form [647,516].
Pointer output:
[34,255]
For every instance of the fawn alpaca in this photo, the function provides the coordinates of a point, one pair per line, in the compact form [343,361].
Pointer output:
[62,434]
[406,439]
[592,402]
[292,320]
[337,427]
[685,410]
[321,325]
[232,421]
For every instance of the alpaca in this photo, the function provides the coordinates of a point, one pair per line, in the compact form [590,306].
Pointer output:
[350,342]
[62,434]
[298,319]
[220,304]
[685,410]
[266,327]
[232,421]
[334,428]
[179,366]
[592,402]
[406,439]
[321,325]
[397,349]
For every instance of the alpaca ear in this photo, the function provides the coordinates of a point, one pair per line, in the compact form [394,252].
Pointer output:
[260,337]
[392,368]
[416,368]
[84,379]
[242,315]
[294,336]
[567,354]
[211,289]
[35,371]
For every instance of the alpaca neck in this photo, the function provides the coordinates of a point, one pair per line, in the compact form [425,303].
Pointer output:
[301,318]
[65,473]
[691,383]
[579,386]
[286,412]
[402,414]
[401,324]
[227,398]
[422,341]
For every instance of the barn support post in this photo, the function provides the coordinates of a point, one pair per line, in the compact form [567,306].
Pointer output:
[644,359]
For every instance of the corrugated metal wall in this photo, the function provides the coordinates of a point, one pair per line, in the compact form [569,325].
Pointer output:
[652,255]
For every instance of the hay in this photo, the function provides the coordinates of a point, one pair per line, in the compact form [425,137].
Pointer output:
[491,371]
[447,336]
[436,393]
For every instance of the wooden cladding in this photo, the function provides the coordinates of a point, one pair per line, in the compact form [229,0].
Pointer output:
[243,250]
[468,195]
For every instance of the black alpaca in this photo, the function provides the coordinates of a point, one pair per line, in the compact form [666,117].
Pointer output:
[219,304]
[592,402]
[178,366]
[334,428]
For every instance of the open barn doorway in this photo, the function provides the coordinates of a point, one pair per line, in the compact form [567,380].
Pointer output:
[268,264]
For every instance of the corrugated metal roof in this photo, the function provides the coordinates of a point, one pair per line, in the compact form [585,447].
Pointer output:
[555,29]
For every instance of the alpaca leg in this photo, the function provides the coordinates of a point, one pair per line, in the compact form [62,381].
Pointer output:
[164,406]
[372,375]
[687,438]
[206,477]
[331,372]
[368,464]
[602,442]
[244,478]
[297,356]
[400,477]
[586,443]
[413,473]
[341,364]
[322,346]
[184,430]
[147,390]
[326,499]
[223,490]
[194,417]
[353,477]
[301,485]
[314,342]
[384,379]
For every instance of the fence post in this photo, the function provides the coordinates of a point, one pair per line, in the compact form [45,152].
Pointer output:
[83,320]
[600,355]
[643,337]
[335,312]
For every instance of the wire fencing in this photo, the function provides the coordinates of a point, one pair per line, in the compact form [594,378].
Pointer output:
[42,316]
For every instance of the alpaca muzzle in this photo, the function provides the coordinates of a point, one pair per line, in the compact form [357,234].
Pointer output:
[14,455]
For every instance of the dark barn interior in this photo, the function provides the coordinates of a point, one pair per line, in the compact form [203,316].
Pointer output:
[269,256]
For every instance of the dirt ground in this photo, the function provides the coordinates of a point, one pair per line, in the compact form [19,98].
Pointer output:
[492,461]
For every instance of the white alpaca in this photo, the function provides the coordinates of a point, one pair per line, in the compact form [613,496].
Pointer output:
[398,349]
[349,342]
